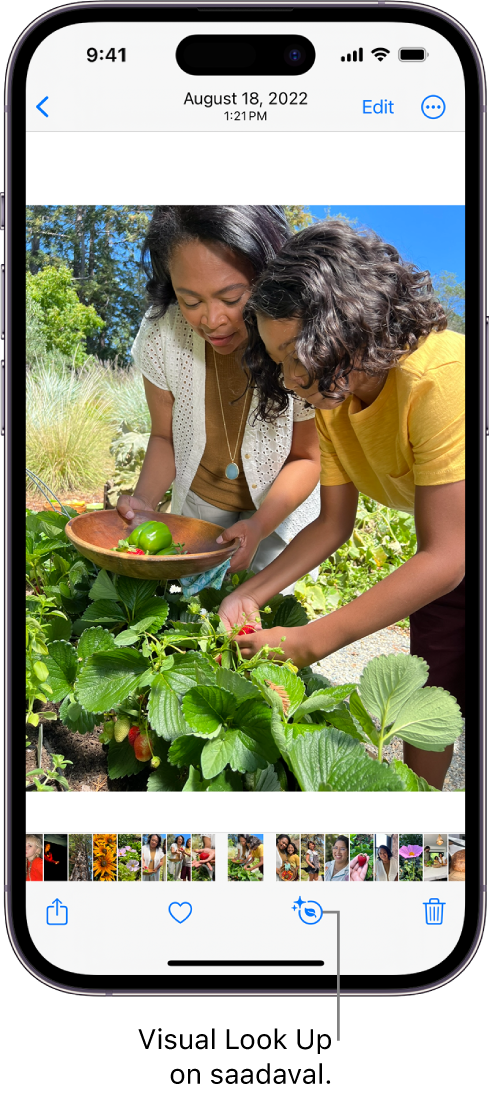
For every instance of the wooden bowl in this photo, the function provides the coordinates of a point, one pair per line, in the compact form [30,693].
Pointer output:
[95,534]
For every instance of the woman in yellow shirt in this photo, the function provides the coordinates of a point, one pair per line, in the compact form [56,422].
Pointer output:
[255,856]
[340,319]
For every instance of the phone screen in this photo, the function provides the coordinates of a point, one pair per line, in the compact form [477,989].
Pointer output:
[245,311]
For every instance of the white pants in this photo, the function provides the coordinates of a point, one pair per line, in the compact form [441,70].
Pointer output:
[268,549]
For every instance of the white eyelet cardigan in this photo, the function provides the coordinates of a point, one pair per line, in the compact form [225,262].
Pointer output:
[172,356]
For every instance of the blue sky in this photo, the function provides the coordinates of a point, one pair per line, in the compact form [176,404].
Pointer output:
[430,236]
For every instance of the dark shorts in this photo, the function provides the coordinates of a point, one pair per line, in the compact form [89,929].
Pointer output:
[438,636]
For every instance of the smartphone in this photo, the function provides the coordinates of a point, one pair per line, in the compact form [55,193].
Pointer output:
[235,257]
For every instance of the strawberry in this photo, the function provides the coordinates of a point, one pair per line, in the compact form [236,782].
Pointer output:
[362,860]
[136,552]
[142,748]
[204,855]
[155,761]
[133,734]
[247,630]
[121,728]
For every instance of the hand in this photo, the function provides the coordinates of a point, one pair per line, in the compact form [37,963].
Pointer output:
[290,640]
[128,504]
[250,538]
[238,608]
[357,873]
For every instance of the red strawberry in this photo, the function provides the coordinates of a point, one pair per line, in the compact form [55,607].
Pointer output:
[136,552]
[247,630]
[362,860]
[142,748]
[133,734]
[218,659]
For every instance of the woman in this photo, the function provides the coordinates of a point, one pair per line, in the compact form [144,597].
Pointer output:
[153,856]
[33,857]
[256,479]
[336,870]
[340,318]
[312,862]
[241,849]
[175,859]
[254,860]
[291,864]
[387,867]
[187,861]
[281,846]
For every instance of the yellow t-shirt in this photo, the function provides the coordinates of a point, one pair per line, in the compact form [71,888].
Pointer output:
[411,435]
[257,854]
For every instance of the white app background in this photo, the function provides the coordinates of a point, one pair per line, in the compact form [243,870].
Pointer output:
[57,1043]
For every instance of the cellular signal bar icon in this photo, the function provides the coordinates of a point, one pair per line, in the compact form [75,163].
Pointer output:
[380,52]
[354,56]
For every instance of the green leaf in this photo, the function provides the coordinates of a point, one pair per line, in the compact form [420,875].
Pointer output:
[226,782]
[429,720]
[94,639]
[359,712]
[244,757]
[290,614]
[76,718]
[122,761]
[344,721]
[267,780]
[412,782]
[183,674]
[164,712]
[57,627]
[41,671]
[62,664]
[185,751]
[254,718]
[324,700]
[151,615]
[103,588]
[329,760]
[108,677]
[279,733]
[284,678]
[127,638]
[207,708]
[165,778]
[239,686]
[216,754]
[134,592]
[388,681]
[313,681]
[195,782]
[104,612]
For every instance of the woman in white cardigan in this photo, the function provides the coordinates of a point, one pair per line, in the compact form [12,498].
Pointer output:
[258,480]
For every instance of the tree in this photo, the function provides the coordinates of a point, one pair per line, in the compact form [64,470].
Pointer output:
[451,295]
[58,315]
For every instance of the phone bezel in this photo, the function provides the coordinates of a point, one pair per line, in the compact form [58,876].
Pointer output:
[15,399]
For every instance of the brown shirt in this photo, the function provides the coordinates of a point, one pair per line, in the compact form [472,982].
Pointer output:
[210,482]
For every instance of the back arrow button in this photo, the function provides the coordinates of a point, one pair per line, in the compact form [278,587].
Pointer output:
[39,106]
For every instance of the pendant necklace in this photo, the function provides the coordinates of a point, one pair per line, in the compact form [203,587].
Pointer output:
[231,471]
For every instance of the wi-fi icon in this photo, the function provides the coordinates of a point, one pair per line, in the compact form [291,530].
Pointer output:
[380,52]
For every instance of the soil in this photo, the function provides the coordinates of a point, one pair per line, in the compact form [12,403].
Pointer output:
[88,771]
[36,501]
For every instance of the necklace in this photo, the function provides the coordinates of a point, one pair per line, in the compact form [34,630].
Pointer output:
[231,470]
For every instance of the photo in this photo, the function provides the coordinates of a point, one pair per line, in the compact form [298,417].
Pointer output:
[176,460]
[55,857]
[435,857]
[312,857]
[245,857]
[456,853]
[361,857]
[104,857]
[179,858]
[336,858]
[203,857]
[287,857]
[411,857]
[386,857]
[33,857]
[80,858]
[153,857]
[128,857]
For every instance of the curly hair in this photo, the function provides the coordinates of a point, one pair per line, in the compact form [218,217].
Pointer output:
[357,302]
[387,850]
[255,233]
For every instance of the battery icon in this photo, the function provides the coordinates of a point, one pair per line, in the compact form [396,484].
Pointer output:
[412,54]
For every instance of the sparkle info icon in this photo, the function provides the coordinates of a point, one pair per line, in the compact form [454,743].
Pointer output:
[309,912]
[56,913]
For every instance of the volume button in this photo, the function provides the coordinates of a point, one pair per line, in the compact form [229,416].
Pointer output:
[487,375]
[2,211]
[2,384]
[2,302]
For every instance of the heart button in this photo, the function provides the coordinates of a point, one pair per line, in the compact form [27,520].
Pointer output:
[180,911]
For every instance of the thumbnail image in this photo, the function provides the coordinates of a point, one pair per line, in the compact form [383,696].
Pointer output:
[361,857]
[179,858]
[80,857]
[104,857]
[33,857]
[55,857]
[287,857]
[336,858]
[153,855]
[203,857]
[435,857]
[129,857]
[312,857]
[411,857]
[245,857]
[386,857]
[456,852]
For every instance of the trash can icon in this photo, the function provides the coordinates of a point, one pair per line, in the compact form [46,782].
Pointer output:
[433,911]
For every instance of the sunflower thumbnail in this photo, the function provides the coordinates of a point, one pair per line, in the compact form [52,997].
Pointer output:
[104,857]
